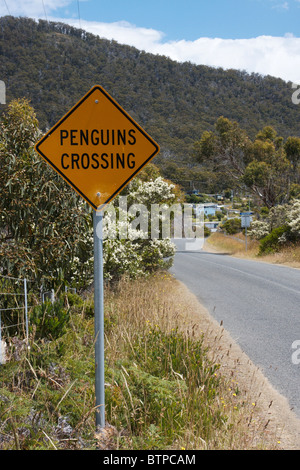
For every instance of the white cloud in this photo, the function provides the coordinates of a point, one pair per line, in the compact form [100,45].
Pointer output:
[121,31]
[31,8]
[266,55]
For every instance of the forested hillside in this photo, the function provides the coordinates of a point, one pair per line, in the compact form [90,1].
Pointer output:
[54,64]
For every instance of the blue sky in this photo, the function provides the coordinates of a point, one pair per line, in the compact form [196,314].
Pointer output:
[191,19]
[260,36]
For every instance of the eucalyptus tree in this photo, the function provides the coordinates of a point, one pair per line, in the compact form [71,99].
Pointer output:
[43,222]
[260,164]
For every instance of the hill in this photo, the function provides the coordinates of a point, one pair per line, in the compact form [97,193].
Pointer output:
[54,64]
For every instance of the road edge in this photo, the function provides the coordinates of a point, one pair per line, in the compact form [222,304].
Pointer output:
[274,408]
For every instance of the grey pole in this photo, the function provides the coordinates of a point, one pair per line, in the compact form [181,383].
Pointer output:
[99,320]
[26,309]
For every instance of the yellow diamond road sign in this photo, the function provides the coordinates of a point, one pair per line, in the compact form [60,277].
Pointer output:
[97,147]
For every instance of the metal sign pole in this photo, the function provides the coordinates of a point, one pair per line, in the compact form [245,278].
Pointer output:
[99,320]
[26,311]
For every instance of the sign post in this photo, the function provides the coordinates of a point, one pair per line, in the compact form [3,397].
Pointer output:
[97,148]
[99,320]
[245,223]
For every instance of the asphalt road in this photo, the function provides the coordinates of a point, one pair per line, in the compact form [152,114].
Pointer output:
[259,304]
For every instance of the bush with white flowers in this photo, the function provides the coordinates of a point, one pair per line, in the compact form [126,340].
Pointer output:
[277,217]
[259,229]
[128,248]
[293,217]
[281,226]
[137,254]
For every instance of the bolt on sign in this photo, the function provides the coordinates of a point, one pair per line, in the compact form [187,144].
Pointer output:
[97,147]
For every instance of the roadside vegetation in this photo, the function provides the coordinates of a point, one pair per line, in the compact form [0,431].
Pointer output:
[288,254]
[274,235]
[163,388]
[232,245]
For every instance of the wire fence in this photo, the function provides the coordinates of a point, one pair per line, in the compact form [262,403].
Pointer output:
[17,297]
[14,294]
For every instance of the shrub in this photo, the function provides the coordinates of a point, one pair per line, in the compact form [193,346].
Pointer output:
[259,229]
[207,231]
[75,300]
[232,226]
[50,320]
[271,242]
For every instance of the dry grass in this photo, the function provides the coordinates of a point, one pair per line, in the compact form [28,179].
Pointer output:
[288,255]
[233,244]
[239,400]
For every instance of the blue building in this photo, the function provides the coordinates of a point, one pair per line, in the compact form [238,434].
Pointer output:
[209,208]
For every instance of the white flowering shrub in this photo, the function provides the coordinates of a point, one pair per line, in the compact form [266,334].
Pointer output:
[293,217]
[259,229]
[137,254]
[158,191]
[281,226]
[276,218]
[127,246]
